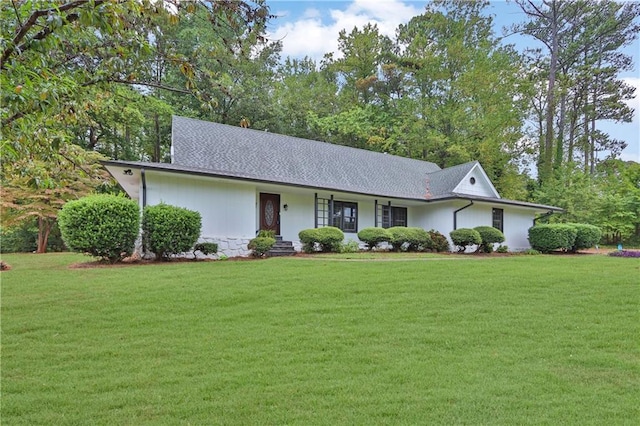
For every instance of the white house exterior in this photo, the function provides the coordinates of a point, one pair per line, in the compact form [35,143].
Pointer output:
[243,180]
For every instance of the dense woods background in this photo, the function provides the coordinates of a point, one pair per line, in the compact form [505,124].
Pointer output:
[84,80]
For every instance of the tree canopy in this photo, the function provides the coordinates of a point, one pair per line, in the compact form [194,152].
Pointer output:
[94,76]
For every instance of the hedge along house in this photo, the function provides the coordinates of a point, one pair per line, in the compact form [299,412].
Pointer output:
[243,180]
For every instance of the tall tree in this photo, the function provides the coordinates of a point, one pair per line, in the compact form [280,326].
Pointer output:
[582,40]
[457,78]
[55,56]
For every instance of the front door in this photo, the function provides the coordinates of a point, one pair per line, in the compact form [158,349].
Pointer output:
[270,212]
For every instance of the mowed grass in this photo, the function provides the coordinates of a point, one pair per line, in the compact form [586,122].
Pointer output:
[322,341]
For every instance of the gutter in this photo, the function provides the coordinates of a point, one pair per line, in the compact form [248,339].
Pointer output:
[455,214]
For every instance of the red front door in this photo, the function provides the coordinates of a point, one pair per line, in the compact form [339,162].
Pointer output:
[270,212]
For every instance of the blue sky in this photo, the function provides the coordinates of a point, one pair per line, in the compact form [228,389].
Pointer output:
[311,27]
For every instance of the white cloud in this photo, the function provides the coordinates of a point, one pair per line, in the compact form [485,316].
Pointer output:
[312,36]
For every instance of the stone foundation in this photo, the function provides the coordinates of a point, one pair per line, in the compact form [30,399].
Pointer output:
[230,246]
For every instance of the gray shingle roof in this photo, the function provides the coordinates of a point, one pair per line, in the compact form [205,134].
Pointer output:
[212,149]
[253,154]
[443,182]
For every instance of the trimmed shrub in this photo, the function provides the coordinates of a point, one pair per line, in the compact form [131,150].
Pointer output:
[169,230]
[327,239]
[502,249]
[260,246]
[373,236]
[489,236]
[409,239]
[104,226]
[587,236]
[308,238]
[205,248]
[548,237]
[330,239]
[439,241]
[464,237]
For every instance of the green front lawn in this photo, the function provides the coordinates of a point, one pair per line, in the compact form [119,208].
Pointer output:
[492,340]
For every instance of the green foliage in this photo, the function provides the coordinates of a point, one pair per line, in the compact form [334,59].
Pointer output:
[350,247]
[502,249]
[464,237]
[409,239]
[330,239]
[23,238]
[260,246]
[587,236]
[104,226]
[531,252]
[19,239]
[326,239]
[550,237]
[373,236]
[489,236]
[308,238]
[266,233]
[169,230]
[440,242]
[205,248]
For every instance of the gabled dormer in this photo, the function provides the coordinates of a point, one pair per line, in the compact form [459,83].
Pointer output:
[476,182]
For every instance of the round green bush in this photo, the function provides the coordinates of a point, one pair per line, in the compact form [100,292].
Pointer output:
[548,237]
[308,238]
[330,239]
[373,236]
[439,241]
[409,239]
[169,230]
[104,226]
[464,237]
[260,246]
[489,236]
[587,236]
[327,239]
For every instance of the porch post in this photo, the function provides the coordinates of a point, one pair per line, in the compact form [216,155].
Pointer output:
[375,213]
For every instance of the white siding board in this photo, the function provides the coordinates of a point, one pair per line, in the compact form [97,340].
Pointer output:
[482,186]
[227,209]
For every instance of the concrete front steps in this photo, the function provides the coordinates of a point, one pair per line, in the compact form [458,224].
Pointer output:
[281,248]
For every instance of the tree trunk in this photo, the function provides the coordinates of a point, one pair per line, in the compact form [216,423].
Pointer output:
[156,145]
[44,229]
[560,139]
[547,152]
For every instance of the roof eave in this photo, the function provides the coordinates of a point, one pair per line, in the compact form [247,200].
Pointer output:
[169,168]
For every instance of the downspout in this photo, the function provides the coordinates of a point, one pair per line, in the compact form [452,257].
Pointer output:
[455,214]
[144,187]
[547,214]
